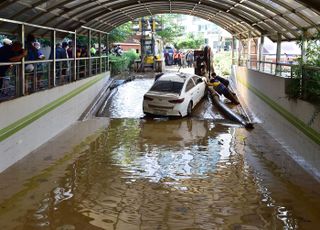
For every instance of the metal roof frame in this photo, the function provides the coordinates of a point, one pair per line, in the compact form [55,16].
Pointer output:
[259,17]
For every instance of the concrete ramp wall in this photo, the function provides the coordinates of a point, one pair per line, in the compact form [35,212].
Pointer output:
[30,121]
[294,123]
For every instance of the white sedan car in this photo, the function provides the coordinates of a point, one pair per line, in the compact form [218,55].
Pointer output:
[174,94]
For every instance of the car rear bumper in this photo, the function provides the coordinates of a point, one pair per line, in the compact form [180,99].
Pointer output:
[162,111]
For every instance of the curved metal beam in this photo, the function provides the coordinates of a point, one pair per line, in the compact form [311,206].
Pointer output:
[259,17]
[140,13]
[239,18]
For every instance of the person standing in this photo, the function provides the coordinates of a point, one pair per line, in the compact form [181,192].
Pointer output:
[9,52]
[179,57]
[4,57]
[190,59]
[93,51]
[60,54]
[40,67]
[33,53]
[183,60]
[166,58]
[65,64]
[31,74]
[70,49]
[175,57]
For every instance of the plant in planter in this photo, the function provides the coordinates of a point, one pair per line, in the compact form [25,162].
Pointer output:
[120,64]
[305,82]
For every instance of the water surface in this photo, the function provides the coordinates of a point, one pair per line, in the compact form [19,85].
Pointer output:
[190,173]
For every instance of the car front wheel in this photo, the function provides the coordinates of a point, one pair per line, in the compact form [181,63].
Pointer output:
[189,109]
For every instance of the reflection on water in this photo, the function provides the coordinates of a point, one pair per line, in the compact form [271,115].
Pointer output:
[177,149]
[127,99]
[164,174]
[139,175]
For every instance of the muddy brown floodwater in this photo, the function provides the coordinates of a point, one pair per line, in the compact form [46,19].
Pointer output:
[201,172]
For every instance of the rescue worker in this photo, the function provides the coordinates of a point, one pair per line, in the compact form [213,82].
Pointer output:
[222,89]
[221,79]
[175,57]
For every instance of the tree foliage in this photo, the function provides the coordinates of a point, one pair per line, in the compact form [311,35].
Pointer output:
[312,51]
[223,62]
[170,29]
[309,87]
[120,64]
[121,33]
[189,42]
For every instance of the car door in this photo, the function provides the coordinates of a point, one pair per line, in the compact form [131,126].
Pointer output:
[199,88]
[190,91]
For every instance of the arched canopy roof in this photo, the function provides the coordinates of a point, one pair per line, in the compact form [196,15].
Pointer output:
[239,17]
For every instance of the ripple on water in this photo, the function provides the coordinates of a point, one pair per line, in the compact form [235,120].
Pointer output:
[174,174]
[180,183]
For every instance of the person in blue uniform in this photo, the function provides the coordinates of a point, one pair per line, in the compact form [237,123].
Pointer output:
[220,85]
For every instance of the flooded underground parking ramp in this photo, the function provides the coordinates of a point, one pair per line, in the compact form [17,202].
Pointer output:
[166,174]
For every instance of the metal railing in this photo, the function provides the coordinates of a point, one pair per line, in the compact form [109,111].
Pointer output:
[39,75]
[303,81]
[278,69]
[21,79]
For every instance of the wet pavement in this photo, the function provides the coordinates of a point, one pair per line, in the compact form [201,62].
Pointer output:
[127,172]
[125,101]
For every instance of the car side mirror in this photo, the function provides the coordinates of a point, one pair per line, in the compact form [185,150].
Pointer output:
[199,80]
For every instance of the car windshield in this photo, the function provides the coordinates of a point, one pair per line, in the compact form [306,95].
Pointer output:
[167,86]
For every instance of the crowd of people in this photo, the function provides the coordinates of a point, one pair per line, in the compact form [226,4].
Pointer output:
[179,58]
[116,50]
[11,51]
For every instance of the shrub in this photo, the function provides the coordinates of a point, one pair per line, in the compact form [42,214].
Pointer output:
[120,64]
[117,64]
[308,71]
[223,62]
[131,56]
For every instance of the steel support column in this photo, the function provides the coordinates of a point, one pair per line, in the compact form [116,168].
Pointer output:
[100,53]
[74,53]
[54,57]
[278,55]
[21,81]
[239,51]
[249,49]
[260,56]
[89,53]
[108,59]
[303,60]
[304,47]
[232,50]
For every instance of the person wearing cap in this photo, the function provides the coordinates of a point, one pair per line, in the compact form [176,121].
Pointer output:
[31,69]
[38,46]
[221,79]
[7,41]
[9,52]
[33,47]
[221,88]
[63,67]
